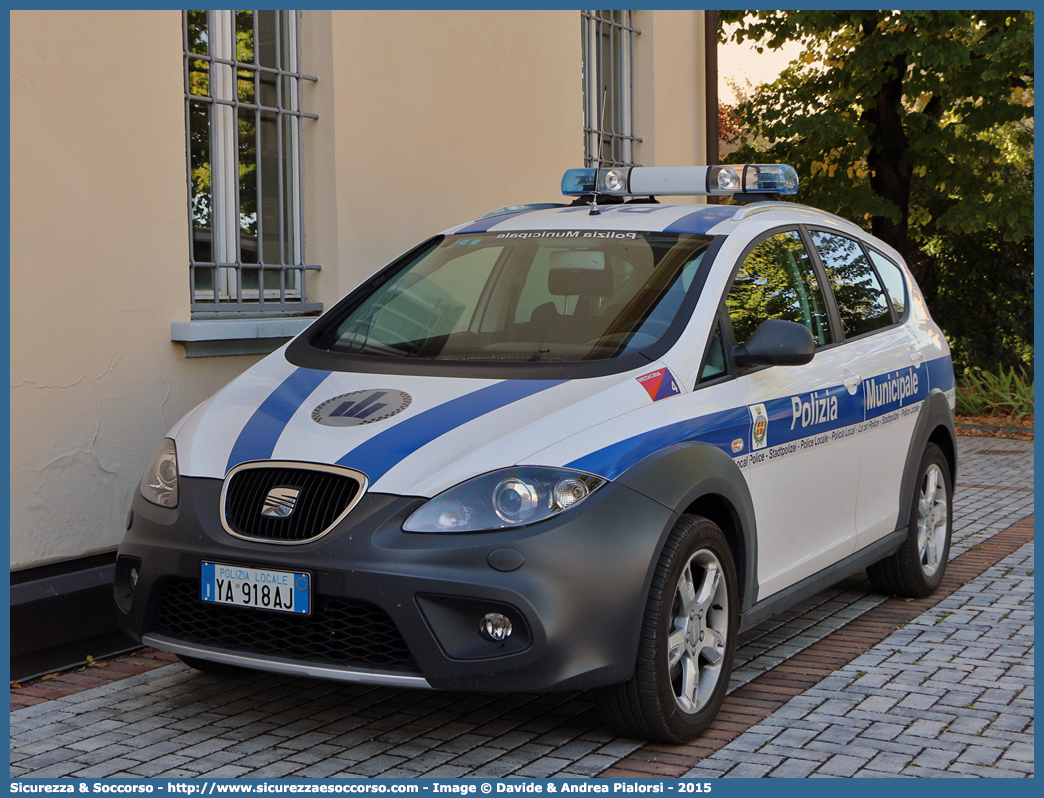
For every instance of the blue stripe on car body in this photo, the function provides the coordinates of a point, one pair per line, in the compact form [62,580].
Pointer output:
[701,221]
[718,429]
[484,225]
[790,418]
[258,439]
[384,451]
[940,373]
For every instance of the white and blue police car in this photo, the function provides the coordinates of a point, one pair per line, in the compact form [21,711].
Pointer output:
[562,447]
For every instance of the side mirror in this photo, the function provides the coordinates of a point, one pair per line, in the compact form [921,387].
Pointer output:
[776,343]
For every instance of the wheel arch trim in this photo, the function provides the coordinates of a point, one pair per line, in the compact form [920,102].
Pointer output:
[686,476]
[934,425]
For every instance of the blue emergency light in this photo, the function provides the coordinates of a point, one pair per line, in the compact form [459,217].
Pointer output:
[620,181]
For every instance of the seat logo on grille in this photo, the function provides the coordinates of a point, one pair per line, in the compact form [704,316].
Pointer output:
[280,502]
[361,407]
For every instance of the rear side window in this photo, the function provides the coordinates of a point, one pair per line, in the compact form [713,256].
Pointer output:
[777,281]
[861,299]
[894,284]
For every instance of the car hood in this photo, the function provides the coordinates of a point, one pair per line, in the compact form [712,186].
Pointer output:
[410,435]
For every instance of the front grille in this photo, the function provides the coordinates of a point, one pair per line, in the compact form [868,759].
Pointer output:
[323,498]
[339,631]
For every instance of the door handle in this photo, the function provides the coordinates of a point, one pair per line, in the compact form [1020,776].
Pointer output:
[851,382]
[916,355]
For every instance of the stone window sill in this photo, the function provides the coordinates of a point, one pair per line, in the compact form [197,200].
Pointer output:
[217,337]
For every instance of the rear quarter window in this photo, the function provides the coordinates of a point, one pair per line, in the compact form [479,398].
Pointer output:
[894,282]
[860,297]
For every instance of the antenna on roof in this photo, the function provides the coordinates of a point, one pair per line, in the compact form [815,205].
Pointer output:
[598,161]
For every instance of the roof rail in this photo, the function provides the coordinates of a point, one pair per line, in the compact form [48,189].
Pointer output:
[758,207]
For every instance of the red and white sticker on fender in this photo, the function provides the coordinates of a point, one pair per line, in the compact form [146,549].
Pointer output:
[660,384]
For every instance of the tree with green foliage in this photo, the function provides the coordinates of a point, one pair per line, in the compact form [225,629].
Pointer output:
[917,125]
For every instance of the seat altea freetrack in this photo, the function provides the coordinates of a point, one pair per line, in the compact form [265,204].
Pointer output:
[562,447]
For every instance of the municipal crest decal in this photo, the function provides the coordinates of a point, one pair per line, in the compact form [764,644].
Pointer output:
[759,432]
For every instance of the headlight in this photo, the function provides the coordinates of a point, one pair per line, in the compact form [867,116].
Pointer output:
[160,483]
[503,499]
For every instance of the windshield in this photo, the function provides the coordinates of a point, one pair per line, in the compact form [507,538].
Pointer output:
[548,296]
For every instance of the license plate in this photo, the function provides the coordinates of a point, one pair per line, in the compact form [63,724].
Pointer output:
[243,586]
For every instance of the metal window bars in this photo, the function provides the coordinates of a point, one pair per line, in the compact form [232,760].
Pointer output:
[607,73]
[232,97]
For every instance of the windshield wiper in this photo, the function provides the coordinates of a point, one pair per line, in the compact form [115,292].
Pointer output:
[362,345]
[520,357]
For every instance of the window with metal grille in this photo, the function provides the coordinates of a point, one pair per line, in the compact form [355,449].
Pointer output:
[608,39]
[243,122]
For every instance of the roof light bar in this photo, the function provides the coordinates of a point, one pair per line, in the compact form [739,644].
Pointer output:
[682,180]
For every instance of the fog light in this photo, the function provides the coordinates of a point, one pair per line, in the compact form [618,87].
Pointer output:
[496,627]
[125,579]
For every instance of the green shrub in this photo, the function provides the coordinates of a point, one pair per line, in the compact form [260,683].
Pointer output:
[984,393]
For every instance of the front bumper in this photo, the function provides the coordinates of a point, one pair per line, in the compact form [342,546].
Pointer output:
[576,601]
[282,665]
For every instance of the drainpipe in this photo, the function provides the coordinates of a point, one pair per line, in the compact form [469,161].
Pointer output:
[710,69]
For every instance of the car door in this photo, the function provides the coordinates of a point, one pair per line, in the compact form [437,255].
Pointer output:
[891,381]
[804,469]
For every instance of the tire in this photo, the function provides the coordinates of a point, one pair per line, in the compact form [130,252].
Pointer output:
[917,568]
[688,640]
[215,668]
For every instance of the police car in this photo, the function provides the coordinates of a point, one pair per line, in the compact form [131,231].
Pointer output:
[562,447]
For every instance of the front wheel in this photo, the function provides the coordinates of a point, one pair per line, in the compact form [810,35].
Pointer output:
[687,643]
[917,568]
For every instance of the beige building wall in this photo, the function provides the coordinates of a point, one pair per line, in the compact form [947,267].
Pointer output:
[427,119]
[670,90]
[99,248]
[432,118]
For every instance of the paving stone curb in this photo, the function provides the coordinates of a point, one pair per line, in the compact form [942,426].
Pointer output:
[992,428]
[96,674]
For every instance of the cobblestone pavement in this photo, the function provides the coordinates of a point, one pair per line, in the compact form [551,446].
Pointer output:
[949,693]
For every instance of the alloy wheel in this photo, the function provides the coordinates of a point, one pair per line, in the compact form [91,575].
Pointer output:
[698,631]
[932,520]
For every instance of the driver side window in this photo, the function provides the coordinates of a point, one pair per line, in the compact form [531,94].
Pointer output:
[777,281]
